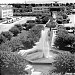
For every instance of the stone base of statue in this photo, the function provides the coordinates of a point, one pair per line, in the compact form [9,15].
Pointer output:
[38,58]
[42,54]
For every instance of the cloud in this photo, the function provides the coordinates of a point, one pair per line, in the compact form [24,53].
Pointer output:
[34,1]
[49,1]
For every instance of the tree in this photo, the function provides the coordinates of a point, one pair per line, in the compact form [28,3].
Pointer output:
[12,64]
[5,47]
[64,16]
[24,25]
[30,25]
[35,32]
[59,19]
[2,39]
[67,4]
[30,21]
[51,24]
[19,26]
[14,45]
[64,63]
[61,27]
[45,19]
[15,31]
[7,34]
[64,39]
[26,40]
[38,21]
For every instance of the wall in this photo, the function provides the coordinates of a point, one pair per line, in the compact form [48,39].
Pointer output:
[6,12]
[40,9]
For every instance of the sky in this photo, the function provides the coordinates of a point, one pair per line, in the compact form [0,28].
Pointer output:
[35,1]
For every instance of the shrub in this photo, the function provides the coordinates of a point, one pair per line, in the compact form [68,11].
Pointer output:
[64,63]
[7,34]
[12,64]
[14,30]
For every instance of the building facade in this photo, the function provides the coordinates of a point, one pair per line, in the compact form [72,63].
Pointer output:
[6,11]
[47,9]
[55,9]
[40,10]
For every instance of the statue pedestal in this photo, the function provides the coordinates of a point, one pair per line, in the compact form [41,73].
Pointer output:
[37,58]
[43,54]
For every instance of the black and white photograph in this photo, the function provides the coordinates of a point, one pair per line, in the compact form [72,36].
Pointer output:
[37,37]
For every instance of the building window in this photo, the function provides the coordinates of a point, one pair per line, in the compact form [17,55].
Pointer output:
[4,12]
[39,8]
[4,15]
[34,8]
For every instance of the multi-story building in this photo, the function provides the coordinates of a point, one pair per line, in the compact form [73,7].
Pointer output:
[40,10]
[47,9]
[6,11]
[55,9]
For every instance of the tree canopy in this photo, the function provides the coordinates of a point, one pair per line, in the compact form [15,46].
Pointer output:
[64,39]
[51,24]
[12,64]
[64,63]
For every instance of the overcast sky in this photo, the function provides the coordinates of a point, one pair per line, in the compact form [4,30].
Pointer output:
[34,1]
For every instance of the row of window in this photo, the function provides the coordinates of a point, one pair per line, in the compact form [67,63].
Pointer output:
[45,8]
[7,12]
[7,15]
[10,11]
[41,11]
[41,8]
[4,12]
[37,8]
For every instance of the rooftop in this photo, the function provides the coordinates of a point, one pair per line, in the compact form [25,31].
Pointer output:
[6,6]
